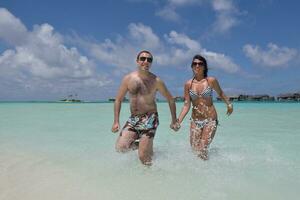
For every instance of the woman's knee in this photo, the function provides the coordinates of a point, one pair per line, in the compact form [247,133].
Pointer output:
[199,144]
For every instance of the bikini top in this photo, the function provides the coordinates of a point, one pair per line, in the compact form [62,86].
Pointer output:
[207,92]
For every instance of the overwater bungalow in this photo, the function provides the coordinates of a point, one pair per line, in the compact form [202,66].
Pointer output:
[234,97]
[179,99]
[289,97]
[113,99]
[240,97]
[243,97]
[260,97]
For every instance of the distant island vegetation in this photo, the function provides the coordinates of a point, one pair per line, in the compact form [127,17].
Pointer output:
[244,97]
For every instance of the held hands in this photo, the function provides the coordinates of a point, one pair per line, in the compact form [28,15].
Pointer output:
[229,109]
[115,127]
[175,125]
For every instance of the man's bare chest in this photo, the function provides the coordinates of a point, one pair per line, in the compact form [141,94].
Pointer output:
[142,86]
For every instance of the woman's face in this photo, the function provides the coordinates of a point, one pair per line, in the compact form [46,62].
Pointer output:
[198,67]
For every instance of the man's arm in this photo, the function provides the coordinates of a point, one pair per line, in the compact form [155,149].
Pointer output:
[117,105]
[165,92]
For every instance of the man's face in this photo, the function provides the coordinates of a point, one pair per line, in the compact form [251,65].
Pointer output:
[144,61]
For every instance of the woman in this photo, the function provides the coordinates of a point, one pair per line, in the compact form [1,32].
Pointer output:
[204,120]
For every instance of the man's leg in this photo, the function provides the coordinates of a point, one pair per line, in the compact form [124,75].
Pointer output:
[146,149]
[125,140]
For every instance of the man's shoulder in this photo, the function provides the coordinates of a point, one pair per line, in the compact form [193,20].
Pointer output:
[133,73]
[130,75]
[157,78]
[152,75]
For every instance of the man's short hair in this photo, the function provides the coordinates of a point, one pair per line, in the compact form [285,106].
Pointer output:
[144,51]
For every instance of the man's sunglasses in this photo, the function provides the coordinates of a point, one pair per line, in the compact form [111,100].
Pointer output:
[149,59]
[198,63]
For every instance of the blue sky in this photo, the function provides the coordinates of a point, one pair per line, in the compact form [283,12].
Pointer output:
[49,49]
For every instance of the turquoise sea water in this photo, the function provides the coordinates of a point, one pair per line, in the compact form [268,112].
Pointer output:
[66,151]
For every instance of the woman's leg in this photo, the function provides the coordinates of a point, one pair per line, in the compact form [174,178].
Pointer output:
[200,138]
[195,137]
[208,133]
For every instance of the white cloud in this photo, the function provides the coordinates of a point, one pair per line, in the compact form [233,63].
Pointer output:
[179,49]
[182,39]
[144,35]
[168,13]
[222,5]
[273,56]
[184,2]
[12,30]
[224,23]
[183,47]
[40,59]
[221,61]
[226,13]
[119,53]
[174,50]
[225,10]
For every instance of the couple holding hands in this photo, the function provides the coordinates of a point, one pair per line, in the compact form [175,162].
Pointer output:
[142,124]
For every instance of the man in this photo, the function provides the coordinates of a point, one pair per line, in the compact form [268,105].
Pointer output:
[142,86]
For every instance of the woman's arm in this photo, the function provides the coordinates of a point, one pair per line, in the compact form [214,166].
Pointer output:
[187,103]
[217,88]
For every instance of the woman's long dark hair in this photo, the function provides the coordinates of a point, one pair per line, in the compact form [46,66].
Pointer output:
[199,57]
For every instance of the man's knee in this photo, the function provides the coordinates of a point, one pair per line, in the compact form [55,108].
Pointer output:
[145,155]
[145,158]
[142,154]
[122,146]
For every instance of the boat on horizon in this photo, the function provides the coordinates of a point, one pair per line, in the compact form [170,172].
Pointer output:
[71,99]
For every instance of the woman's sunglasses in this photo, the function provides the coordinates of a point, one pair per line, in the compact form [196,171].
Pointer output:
[149,59]
[198,63]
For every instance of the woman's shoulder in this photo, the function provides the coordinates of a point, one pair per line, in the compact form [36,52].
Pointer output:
[211,79]
[188,82]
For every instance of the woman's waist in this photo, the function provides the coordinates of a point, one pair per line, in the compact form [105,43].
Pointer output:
[203,107]
[204,114]
[204,117]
